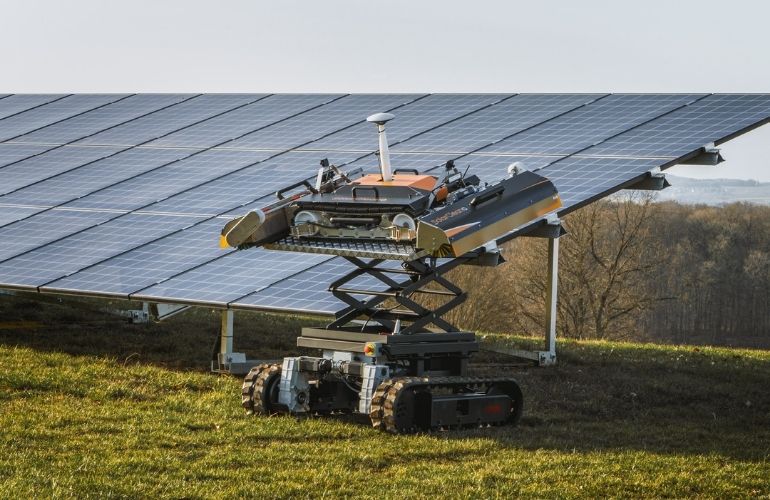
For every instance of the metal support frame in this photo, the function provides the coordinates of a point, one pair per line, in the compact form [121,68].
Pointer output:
[655,180]
[161,311]
[138,316]
[421,274]
[224,359]
[552,230]
[708,155]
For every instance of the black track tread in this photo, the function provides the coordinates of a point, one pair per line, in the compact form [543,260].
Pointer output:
[383,412]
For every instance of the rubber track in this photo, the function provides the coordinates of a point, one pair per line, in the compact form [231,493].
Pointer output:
[383,410]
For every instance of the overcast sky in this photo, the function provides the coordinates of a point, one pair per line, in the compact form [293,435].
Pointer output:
[396,46]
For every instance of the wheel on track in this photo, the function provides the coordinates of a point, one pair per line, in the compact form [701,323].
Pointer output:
[511,389]
[259,393]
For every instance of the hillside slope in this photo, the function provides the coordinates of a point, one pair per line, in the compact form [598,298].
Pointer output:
[612,419]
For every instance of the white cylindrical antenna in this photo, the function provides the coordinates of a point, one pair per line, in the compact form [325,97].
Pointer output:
[381,119]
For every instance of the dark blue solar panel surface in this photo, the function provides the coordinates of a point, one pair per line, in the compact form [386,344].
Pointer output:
[243,277]
[47,165]
[151,263]
[23,123]
[685,130]
[43,228]
[12,213]
[11,153]
[248,184]
[585,126]
[62,257]
[170,179]
[14,104]
[124,195]
[104,118]
[170,119]
[316,123]
[414,118]
[92,177]
[245,120]
[495,123]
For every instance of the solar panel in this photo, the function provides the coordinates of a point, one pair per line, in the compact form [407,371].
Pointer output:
[204,285]
[495,123]
[713,119]
[95,174]
[36,168]
[306,291]
[413,118]
[244,186]
[314,124]
[149,264]
[103,118]
[11,213]
[11,153]
[245,120]
[585,126]
[55,111]
[18,103]
[44,228]
[141,219]
[172,178]
[170,119]
[62,257]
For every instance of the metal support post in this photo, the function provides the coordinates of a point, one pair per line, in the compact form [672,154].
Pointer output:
[548,357]
[225,360]
[552,230]
[226,333]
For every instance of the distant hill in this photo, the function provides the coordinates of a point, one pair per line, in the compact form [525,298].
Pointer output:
[715,191]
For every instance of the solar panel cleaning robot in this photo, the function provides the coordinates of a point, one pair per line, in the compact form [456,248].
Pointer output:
[389,354]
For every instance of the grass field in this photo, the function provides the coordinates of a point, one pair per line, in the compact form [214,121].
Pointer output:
[92,406]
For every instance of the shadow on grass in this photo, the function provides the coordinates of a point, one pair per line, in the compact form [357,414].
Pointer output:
[93,327]
[601,396]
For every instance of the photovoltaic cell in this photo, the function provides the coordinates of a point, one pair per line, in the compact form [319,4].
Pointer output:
[163,182]
[168,120]
[11,153]
[102,118]
[685,130]
[150,264]
[94,176]
[10,213]
[48,164]
[32,119]
[495,168]
[231,277]
[306,291]
[246,185]
[580,179]
[422,162]
[243,120]
[167,248]
[587,125]
[44,228]
[22,102]
[316,123]
[411,119]
[47,263]
[495,123]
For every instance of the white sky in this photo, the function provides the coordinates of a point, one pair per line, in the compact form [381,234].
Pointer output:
[396,46]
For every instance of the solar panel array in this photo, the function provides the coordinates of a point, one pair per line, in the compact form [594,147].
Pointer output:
[124,195]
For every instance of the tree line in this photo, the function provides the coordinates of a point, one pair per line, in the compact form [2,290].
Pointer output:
[631,268]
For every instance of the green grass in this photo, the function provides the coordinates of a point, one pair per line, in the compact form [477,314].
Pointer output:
[101,408]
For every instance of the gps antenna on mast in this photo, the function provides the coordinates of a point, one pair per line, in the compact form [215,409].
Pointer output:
[381,119]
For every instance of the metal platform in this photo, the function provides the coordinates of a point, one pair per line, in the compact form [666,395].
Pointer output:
[373,249]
